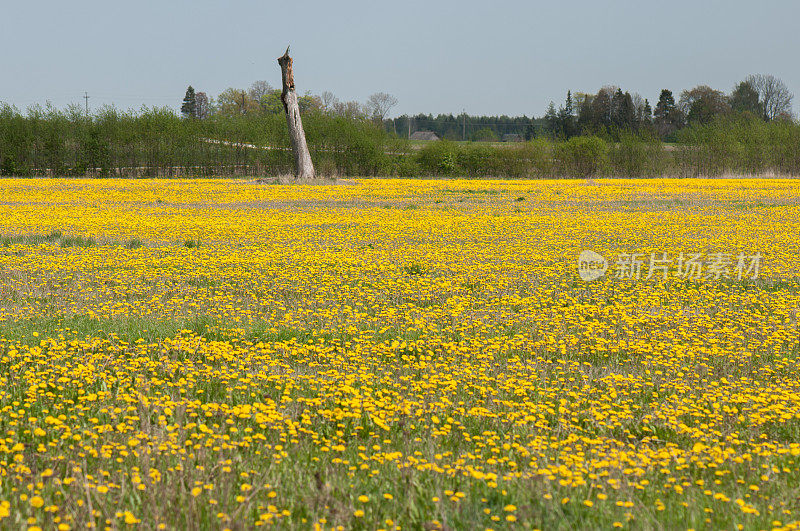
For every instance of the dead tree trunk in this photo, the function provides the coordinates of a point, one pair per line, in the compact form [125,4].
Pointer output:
[303,168]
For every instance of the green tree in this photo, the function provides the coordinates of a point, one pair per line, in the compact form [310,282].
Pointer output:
[602,108]
[189,107]
[585,122]
[236,101]
[271,102]
[484,135]
[623,113]
[309,103]
[566,119]
[744,98]
[667,117]
[664,107]
[702,104]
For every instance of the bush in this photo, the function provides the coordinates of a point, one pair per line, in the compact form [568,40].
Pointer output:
[539,152]
[739,144]
[637,156]
[476,160]
[581,156]
[438,158]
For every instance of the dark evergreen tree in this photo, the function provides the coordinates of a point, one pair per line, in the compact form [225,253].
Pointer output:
[566,119]
[665,107]
[189,107]
[627,113]
[667,118]
[569,126]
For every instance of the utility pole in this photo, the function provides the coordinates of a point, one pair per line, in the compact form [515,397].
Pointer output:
[464,129]
[86,97]
[408,119]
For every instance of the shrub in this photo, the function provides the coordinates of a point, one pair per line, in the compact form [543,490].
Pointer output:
[539,153]
[581,156]
[438,158]
[637,156]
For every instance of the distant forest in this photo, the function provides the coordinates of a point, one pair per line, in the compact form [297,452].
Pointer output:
[608,113]
[611,112]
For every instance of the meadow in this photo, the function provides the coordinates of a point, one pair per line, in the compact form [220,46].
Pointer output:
[396,354]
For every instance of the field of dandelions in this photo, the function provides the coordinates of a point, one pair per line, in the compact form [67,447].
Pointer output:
[209,354]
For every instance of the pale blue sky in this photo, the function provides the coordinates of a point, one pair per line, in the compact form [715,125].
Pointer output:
[485,57]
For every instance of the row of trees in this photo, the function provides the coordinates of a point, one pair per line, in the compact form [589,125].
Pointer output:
[263,99]
[611,111]
[158,142]
[608,113]
[730,145]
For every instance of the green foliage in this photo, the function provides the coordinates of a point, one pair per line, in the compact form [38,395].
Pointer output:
[744,98]
[406,166]
[133,243]
[703,104]
[637,156]
[540,155]
[189,106]
[415,268]
[524,159]
[352,147]
[438,158]
[484,135]
[157,142]
[53,238]
[581,156]
[741,144]
[77,241]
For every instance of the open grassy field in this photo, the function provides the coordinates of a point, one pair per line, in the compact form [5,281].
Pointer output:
[396,354]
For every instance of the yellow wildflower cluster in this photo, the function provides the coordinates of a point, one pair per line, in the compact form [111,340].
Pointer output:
[393,354]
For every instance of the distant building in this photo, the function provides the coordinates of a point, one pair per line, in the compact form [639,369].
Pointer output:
[512,137]
[424,135]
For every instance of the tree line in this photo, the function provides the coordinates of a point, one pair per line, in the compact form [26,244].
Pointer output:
[611,112]
[262,99]
[608,113]
[243,132]
[47,141]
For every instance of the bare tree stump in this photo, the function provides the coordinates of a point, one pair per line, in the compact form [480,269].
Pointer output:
[303,168]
